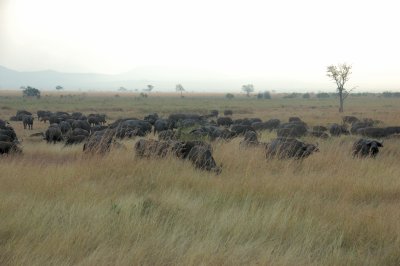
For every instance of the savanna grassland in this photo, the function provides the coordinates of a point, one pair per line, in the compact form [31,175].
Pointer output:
[59,206]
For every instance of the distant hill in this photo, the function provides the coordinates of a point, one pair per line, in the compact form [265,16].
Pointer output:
[164,79]
[11,79]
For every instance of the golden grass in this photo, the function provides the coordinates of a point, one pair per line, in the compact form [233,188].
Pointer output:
[59,206]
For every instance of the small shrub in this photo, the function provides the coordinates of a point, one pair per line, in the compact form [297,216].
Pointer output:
[229,96]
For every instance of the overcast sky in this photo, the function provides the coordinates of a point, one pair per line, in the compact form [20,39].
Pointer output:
[286,40]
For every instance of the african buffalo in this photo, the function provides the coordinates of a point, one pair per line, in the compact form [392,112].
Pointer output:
[99,142]
[319,134]
[319,129]
[284,148]
[71,140]
[337,130]
[167,135]
[292,130]
[366,148]
[81,124]
[9,147]
[151,118]
[373,132]
[250,140]
[152,148]
[357,125]
[350,119]
[224,121]
[65,127]
[53,134]
[9,131]
[268,125]
[240,130]
[201,158]
[294,119]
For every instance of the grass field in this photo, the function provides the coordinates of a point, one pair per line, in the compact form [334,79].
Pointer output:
[61,207]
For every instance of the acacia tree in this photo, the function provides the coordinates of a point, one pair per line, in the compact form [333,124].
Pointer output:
[30,92]
[248,89]
[340,75]
[59,88]
[180,88]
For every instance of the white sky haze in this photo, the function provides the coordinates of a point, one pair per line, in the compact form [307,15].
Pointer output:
[255,40]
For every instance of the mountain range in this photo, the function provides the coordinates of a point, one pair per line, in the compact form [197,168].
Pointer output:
[163,79]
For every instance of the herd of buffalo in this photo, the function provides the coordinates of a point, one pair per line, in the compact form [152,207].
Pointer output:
[183,135]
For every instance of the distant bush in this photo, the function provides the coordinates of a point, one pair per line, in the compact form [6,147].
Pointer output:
[292,95]
[322,95]
[30,92]
[143,95]
[306,96]
[264,95]
[229,96]
[388,94]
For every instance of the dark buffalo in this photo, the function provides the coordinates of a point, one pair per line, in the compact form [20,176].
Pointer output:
[152,148]
[285,148]
[43,115]
[76,115]
[96,119]
[142,125]
[160,125]
[80,131]
[174,119]
[27,121]
[9,131]
[392,130]
[294,119]
[53,134]
[21,113]
[3,124]
[5,138]
[250,140]
[319,129]
[350,119]
[366,148]
[65,127]
[72,140]
[81,124]
[9,147]
[268,125]
[167,135]
[240,130]
[98,128]
[373,132]
[358,125]
[53,119]
[337,130]
[214,113]
[224,121]
[151,118]
[202,158]
[99,142]
[292,130]
[319,134]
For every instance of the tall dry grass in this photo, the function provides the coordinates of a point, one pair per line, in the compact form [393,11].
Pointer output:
[329,209]
[59,206]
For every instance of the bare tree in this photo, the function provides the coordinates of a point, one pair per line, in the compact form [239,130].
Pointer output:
[180,88]
[340,74]
[248,89]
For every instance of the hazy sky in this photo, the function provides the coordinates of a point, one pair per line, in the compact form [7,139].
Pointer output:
[254,40]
